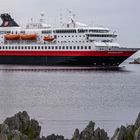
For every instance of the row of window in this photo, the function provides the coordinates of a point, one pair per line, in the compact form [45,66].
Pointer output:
[4,32]
[46,32]
[80,31]
[43,47]
[71,36]
[61,31]
[105,35]
[98,31]
[73,41]
[65,31]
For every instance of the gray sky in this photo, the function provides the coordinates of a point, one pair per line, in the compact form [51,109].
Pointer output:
[119,15]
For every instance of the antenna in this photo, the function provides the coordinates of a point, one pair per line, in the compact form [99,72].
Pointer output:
[42,17]
[72,17]
[61,19]
[31,20]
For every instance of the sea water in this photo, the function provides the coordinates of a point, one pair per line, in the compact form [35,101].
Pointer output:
[62,100]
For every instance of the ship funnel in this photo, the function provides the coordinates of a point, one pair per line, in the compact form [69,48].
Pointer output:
[7,21]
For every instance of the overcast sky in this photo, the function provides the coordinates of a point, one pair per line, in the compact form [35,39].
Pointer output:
[119,15]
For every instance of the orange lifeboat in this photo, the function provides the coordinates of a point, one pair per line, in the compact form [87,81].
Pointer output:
[12,37]
[28,37]
[48,38]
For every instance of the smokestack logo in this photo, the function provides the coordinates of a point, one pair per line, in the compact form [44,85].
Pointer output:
[6,23]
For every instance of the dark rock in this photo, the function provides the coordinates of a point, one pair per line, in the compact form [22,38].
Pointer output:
[0,127]
[130,132]
[33,130]
[13,123]
[137,134]
[43,138]
[15,134]
[76,135]
[90,127]
[55,137]
[19,121]
[25,120]
[125,133]
[120,134]
[100,134]
[90,134]
[137,122]
[24,137]
[5,129]
[3,137]
[20,127]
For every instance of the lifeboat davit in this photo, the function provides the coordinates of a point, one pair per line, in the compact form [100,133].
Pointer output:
[12,37]
[28,37]
[49,38]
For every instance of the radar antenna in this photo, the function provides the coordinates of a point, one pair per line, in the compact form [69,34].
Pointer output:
[72,17]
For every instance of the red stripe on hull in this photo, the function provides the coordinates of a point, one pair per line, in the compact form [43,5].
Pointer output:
[67,53]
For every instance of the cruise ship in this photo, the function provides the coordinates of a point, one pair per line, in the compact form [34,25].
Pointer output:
[73,45]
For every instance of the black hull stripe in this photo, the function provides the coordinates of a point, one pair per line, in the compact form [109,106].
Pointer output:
[63,61]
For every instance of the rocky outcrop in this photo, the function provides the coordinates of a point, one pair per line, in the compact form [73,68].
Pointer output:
[136,61]
[131,132]
[137,122]
[21,127]
[89,133]
[53,137]
[137,134]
